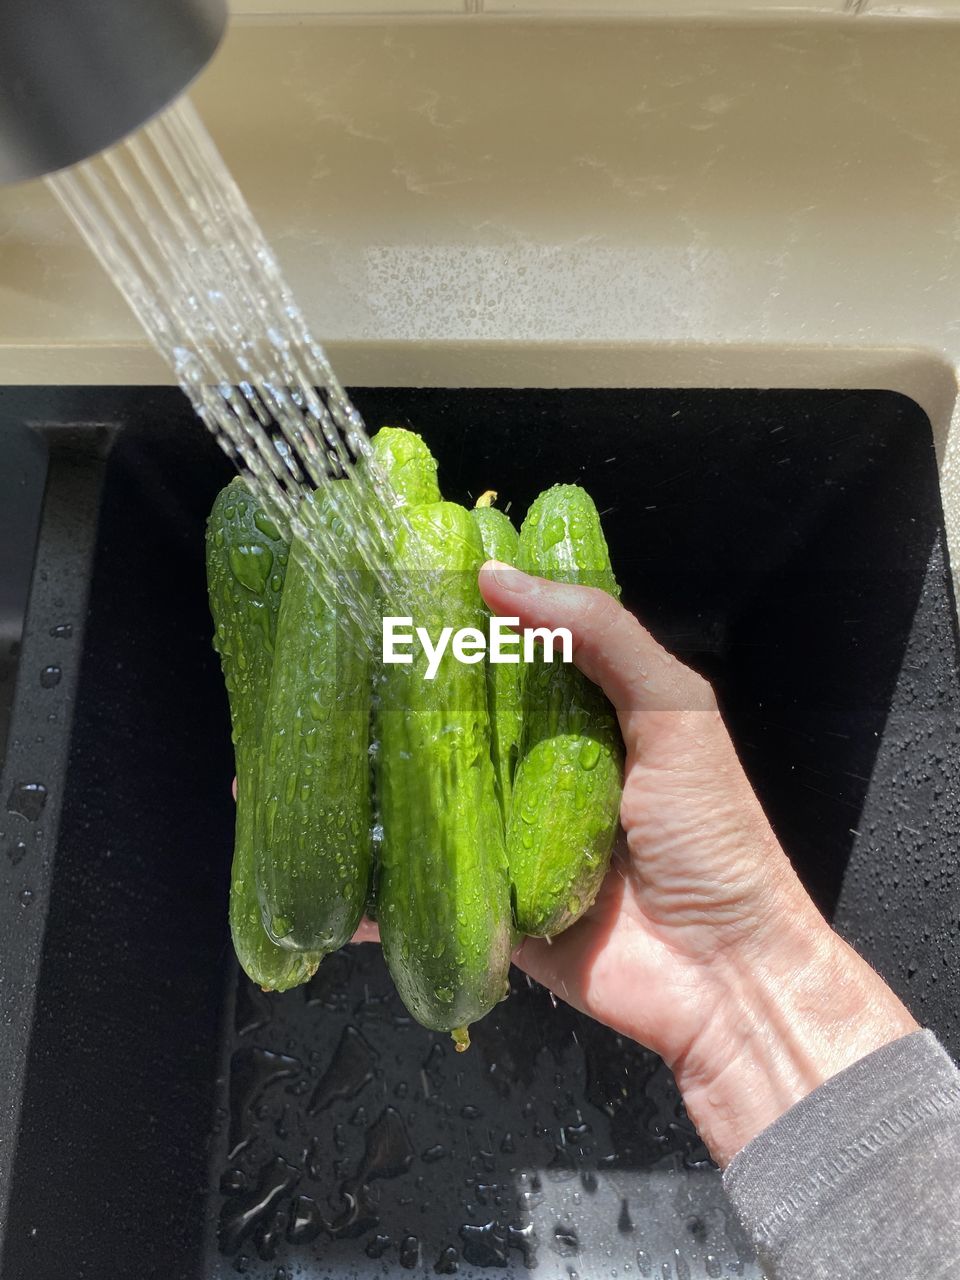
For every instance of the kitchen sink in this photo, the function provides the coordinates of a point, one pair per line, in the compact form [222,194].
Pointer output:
[163,1118]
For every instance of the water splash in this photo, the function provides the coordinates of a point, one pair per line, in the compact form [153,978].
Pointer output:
[165,218]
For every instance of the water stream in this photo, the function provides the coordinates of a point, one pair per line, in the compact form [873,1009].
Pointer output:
[167,221]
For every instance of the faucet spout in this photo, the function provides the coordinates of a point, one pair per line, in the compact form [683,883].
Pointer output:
[76,78]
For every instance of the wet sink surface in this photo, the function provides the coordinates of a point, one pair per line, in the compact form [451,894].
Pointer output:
[179,1123]
[22,472]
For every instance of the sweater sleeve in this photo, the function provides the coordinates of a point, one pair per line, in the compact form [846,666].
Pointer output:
[862,1177]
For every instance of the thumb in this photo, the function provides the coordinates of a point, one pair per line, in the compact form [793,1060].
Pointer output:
[610,646]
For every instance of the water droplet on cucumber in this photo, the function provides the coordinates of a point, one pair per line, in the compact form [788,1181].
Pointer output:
[251,565]
[266,526]
[281,926]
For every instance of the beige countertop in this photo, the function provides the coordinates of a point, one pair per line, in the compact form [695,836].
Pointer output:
[524,200]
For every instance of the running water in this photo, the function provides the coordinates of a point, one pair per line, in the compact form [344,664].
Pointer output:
[162,213]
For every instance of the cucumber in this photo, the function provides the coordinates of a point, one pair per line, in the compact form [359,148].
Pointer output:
[567,786]
[500,542]
[246,563]
[444,900]
[408,464]
[313,860]
[411,469]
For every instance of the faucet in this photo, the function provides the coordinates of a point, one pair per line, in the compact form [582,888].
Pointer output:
[77,77]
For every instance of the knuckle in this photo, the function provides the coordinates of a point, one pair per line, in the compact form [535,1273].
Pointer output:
[600,610]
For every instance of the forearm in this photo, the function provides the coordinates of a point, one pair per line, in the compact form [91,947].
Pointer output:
[794,1010]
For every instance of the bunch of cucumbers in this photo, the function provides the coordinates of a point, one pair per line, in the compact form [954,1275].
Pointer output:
[490,793]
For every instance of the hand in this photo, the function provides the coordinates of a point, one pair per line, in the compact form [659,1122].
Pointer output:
[702,945]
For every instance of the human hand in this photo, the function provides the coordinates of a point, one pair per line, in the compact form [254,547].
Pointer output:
[702,944]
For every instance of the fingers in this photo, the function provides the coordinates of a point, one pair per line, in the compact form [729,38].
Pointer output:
[557,964]
[367,931]
[610,646]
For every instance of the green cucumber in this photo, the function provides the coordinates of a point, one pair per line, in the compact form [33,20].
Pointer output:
[246,564]
[443,900]
[411,469]
[567,785]
[501,542]
[408,464]
[313,860]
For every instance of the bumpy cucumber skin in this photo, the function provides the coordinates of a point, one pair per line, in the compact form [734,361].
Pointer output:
[568,781]
[443,900]
[408,464]
[501,542]
[313,860]
[246,565]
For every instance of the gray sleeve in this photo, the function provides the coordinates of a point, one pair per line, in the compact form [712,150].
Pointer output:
[861,1178]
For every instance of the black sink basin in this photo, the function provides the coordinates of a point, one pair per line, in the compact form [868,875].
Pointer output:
[162,1118]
